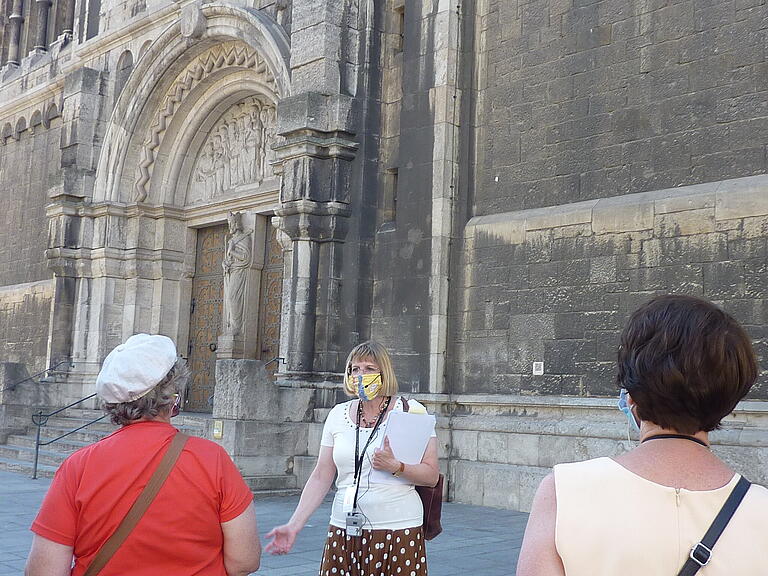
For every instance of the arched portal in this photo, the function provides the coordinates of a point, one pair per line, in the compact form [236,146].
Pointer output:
[188,145]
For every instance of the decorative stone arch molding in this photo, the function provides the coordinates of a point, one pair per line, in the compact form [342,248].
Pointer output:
[221,67]
[206,44]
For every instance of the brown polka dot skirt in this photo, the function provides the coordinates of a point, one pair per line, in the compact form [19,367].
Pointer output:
[375,553]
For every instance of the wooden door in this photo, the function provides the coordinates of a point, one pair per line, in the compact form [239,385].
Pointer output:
[270,301]
[205,317]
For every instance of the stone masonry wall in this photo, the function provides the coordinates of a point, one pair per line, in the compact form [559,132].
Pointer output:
[402,252]
[582,100]
[24,315]
[556,285]
[29,166]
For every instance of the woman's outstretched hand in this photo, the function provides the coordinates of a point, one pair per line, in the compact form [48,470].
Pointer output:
[283,538]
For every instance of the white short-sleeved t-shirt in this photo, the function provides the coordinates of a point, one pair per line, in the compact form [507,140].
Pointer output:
[385,506]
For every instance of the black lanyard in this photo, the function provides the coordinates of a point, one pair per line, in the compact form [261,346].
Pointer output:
[360,456]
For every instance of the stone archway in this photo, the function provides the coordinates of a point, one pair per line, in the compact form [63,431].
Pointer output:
[151,196]
[223,38]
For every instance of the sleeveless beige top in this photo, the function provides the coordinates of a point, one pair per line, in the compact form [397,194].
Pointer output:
[612,522]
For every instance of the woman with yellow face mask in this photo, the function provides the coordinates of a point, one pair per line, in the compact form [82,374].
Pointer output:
[375,528]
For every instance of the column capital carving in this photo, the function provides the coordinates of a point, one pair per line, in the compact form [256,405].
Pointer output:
[315,221]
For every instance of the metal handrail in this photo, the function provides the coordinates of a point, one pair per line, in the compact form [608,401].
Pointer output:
[42,373]
[278,358]
[40,419]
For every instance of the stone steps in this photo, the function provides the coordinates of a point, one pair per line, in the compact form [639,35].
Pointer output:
[29,442]
[27,454]
[18,453]
[26,468]
[262,494]
[271,482]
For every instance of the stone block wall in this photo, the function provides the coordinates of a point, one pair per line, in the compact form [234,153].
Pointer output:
[585,100]
[30,162]
[556,285]
[24,316]
[498,448]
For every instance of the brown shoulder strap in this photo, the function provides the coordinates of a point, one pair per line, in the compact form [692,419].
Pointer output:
[405,403]
[146,497]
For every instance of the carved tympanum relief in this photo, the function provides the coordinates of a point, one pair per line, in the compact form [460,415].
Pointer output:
[229,55]
[238,151]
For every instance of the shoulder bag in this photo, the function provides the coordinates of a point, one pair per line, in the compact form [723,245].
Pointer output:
[431,500]
[146,497]
[701,553]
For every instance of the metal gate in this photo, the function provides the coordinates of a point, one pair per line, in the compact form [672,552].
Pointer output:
[205,317]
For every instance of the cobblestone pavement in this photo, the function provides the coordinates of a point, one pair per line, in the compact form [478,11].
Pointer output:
[476,541]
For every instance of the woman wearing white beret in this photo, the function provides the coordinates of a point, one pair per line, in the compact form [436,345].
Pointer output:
[198,519]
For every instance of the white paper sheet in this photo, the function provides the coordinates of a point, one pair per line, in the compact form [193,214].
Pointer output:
[408,435]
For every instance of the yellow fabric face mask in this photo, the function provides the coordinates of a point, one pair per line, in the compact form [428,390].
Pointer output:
[368,386]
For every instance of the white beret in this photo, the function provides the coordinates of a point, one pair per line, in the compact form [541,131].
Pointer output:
[132,369]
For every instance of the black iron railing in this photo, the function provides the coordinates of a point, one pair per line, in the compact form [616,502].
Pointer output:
[277,359]
[41,375]
[40,419]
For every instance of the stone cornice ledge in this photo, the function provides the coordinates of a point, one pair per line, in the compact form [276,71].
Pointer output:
[727,199]
[510,404]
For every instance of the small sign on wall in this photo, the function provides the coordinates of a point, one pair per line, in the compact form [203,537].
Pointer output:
[538,368]
[218,429]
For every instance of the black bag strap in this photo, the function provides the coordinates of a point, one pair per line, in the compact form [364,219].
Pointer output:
[405,403]
[701,553]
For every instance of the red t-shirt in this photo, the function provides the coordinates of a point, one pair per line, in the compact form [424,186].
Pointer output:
[179,534]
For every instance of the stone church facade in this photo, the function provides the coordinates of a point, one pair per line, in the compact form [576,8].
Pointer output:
[481,186]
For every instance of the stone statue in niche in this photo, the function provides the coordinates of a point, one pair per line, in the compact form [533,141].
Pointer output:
[206,169]
[269,122]
[237,152]
[257,141]
[236,264]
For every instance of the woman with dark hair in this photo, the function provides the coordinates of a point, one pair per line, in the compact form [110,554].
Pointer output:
[383,535]
[683,365]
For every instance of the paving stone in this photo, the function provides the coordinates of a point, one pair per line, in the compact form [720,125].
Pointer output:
[475,539]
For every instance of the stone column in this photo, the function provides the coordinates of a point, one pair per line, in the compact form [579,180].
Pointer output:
[316,231]
[446,98]
[315,160]
[64,238]
[69,18]
[16,20]
[41,39]
[69,230]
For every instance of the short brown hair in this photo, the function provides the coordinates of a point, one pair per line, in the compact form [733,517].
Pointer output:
[377,352]
[685,362]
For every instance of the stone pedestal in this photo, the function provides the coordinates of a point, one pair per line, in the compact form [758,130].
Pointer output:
[247,412]
[244,392]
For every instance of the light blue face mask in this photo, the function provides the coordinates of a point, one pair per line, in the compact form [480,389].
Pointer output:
[624,407]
